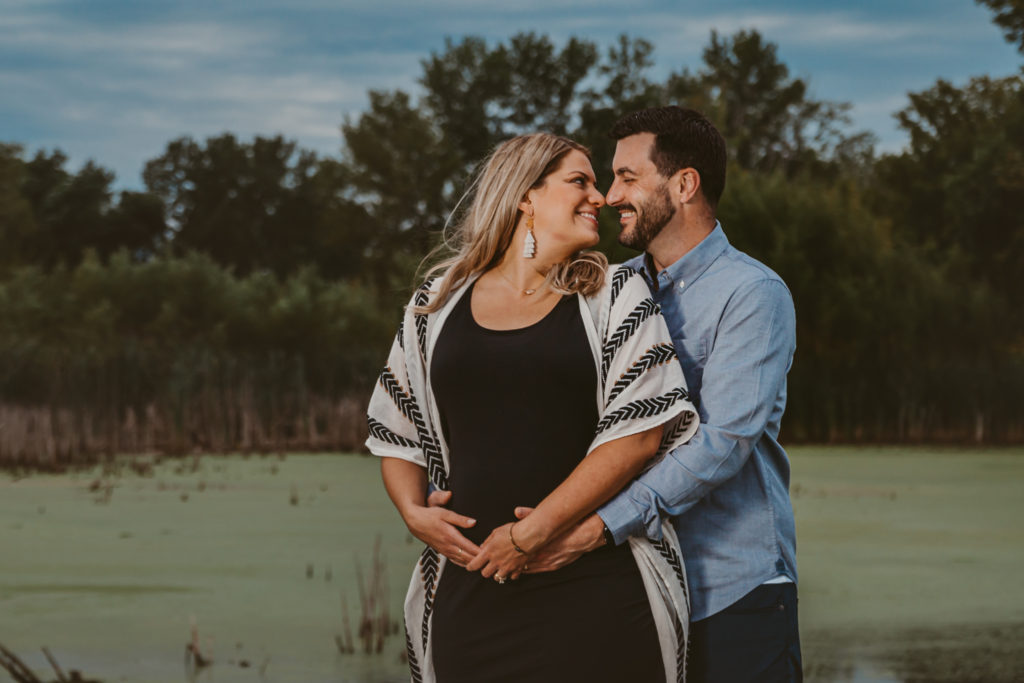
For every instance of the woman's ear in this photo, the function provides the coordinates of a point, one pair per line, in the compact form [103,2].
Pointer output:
[526,206]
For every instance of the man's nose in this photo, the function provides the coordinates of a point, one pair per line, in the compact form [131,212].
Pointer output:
[614,196]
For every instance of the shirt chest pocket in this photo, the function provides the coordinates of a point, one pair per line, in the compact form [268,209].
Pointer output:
[692,356]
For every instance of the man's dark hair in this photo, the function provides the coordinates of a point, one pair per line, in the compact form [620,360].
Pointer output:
[684,139]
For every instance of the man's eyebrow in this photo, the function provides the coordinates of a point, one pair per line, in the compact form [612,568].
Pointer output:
[622,170]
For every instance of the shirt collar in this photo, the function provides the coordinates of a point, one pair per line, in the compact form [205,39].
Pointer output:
[693,263]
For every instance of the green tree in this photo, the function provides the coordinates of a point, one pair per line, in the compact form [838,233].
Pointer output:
[478,96]
[17,222]
[260,205]
[411,159]
[767,117]
[405,174]
[958,188]
[53,216]
[1010,18]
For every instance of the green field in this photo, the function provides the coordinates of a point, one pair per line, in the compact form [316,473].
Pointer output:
[909,560]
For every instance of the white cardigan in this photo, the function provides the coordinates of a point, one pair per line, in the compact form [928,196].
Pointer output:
[640,385]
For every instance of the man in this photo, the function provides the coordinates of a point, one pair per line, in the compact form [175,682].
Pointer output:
[733,325]
[727,489]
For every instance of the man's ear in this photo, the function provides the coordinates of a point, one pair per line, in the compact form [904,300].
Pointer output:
[686,183]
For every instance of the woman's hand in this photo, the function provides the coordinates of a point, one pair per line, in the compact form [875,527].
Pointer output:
[439,528]
[406,484]
[498,558]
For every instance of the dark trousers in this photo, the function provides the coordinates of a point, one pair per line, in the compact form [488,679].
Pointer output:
[755,639]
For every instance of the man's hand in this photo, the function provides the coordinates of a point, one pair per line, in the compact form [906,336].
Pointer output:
[586,536]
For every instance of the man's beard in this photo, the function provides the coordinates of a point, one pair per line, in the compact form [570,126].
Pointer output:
[653,215]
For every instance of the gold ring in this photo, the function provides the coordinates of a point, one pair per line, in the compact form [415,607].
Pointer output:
[459,550]
[499,578]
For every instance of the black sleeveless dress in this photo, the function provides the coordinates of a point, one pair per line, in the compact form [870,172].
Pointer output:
[518,410]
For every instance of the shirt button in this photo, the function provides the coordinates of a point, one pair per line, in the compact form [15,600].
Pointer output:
[681,284]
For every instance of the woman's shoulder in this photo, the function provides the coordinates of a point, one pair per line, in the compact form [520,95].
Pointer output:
[621,278]
[422,293]
[433,286]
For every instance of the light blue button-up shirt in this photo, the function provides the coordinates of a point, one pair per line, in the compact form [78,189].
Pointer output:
[727,489]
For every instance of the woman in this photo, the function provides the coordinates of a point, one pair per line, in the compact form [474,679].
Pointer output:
[522,375]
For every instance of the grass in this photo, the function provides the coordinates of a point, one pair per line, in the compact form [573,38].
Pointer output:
[908,565]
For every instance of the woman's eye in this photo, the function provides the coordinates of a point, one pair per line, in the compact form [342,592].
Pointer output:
[581,181]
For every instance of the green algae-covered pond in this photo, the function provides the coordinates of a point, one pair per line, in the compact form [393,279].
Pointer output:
[909,563]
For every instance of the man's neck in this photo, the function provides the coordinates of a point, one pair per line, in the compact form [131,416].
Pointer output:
[675,242]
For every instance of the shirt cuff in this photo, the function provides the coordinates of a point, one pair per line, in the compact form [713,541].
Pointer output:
[623,518]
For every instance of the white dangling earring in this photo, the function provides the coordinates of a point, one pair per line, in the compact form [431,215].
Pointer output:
[530,245]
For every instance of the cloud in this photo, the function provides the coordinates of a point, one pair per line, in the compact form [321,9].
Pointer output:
[117,79]
[679,34]
[56,37]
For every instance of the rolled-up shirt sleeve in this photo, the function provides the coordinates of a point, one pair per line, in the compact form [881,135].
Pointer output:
[743,377]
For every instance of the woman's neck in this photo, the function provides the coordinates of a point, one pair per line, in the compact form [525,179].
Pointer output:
[523,274]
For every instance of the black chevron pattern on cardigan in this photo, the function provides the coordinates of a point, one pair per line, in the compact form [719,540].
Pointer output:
[677,429]
[378,430]
[429,562]
[644,310]
[680,651]
[621,276]
[428,572]
[641,408]
[400,335]
[414,665]
[676,563]
[402,398]
[655,356]
[421,299]
[435,463]
[406,403]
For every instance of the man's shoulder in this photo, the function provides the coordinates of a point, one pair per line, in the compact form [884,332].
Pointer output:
[742,270]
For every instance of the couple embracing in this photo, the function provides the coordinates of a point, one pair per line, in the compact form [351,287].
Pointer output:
[589,451]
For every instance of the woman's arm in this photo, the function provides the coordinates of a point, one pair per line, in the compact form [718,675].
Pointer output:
[406,484]
[595,480]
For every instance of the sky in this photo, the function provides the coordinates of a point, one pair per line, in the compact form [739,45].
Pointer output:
[116,80]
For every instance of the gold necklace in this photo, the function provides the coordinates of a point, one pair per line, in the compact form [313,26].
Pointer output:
[527,292]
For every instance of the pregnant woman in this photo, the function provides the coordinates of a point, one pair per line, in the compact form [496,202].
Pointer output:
[523,374]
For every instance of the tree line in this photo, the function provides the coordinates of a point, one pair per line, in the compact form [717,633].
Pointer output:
[245,298]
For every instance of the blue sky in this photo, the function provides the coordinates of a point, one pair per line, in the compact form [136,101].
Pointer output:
[115,80]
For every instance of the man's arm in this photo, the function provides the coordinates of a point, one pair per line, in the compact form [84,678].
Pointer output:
[743,378]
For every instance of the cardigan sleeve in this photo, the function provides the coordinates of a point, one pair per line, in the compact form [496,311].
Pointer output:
[392,412]
[642,380]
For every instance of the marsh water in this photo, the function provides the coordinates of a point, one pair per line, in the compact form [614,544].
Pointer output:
[909,566]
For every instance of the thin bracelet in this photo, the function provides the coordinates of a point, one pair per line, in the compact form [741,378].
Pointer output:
[514,544]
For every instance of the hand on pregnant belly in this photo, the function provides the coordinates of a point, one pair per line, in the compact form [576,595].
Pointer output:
[439,528]
[498,557]
[565,549]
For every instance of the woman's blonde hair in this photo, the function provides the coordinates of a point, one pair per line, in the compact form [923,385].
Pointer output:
[483,234]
